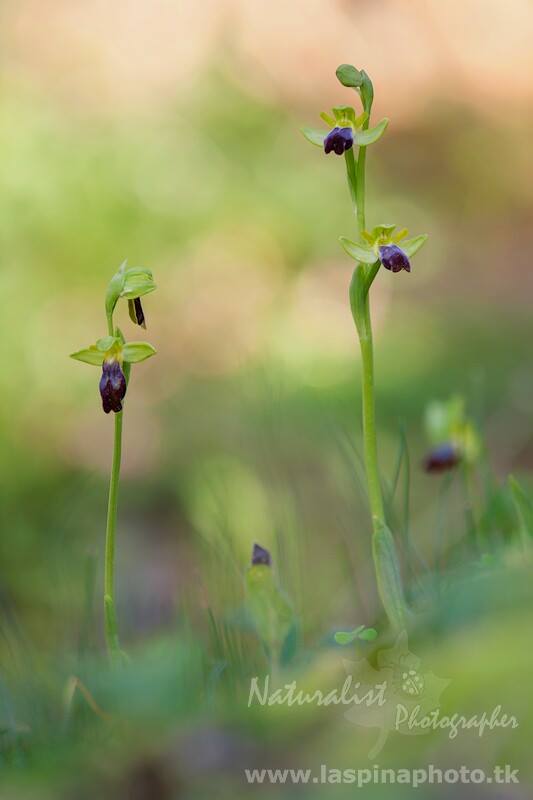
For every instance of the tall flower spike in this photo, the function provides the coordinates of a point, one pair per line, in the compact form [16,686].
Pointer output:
[370,250]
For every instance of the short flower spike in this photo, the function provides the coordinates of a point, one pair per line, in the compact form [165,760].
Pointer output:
[115,356]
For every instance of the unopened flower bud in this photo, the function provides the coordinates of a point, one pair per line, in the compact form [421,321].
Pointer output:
[339,140]
[393,257]
[112,386]
[441,458]
[260,556]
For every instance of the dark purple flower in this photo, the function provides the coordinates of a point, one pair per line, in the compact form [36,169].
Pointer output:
[136,312]
[393,257]
[441,458]
[260,556]
[338,140]
[112,386]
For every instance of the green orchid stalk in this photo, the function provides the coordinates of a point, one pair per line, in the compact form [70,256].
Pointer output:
[385,246]
[115,356]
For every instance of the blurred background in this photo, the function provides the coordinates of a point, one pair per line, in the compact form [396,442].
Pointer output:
[167,133]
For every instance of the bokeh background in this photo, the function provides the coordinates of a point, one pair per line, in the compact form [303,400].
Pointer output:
[167,133]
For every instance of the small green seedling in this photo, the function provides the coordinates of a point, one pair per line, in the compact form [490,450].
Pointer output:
[362,633]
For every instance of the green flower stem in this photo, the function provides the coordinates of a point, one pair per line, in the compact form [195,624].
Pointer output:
[369,417]
[109,318]
[110,615]
[351,168]
[367,356]
[360,189]
[386,564]
[109,574]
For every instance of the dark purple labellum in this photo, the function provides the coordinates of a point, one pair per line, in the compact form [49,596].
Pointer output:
[338,140]
[441,458]
[112,386]
[392,257]
[136,312]
[260,556]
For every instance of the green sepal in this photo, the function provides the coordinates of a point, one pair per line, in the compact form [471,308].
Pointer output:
[144,271]
[343,114]
[412,246]
[370,135]
[114,289]
[137,286]
[359,251]
[90,355]
[106,343]
[133,352]
[349,76]
[382,230]
[314,136]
